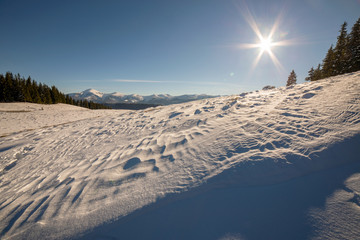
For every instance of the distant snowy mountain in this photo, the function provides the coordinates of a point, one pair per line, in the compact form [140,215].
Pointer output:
[116,97]
[89,94]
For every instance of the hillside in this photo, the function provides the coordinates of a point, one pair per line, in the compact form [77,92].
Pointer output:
[274,164]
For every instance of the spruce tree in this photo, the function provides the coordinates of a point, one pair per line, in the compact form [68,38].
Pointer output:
[328,68]
[2,88]
[25,91]
[310,77]
[354,48]
[341,51]
[47,95]
[35,92]
[54,95]
[291,79]
[8,88]
[16,91]
[318,73]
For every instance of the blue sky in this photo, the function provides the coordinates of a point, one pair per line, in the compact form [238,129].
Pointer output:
[165,46]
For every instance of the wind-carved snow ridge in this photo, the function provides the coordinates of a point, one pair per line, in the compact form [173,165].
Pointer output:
[65,179]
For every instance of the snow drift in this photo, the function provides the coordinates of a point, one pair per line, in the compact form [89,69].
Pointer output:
[63,180]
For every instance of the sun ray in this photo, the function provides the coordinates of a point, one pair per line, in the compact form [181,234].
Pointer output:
[245,11]
[287,42]
[256,61]
[276,25]
[265,43]
[276,62]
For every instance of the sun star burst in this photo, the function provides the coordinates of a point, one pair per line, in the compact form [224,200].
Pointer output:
[264,44]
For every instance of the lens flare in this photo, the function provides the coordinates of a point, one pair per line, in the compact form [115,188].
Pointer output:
[264,44]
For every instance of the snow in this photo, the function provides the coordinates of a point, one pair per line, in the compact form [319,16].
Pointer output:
[91,91]
[18,117]
[116,97]
[220,168]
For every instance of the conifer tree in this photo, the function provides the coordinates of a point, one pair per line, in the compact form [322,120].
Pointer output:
[341,51]
[25,91]
[291,79]
[8,88]
[354,48]
[55,95]
[329,63]
[310,77]
[47,95]
[35,92]
[317,73]
[2,88]
[28,89]
[16,89]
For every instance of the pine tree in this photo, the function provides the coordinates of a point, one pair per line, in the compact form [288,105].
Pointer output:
[318,73]
[25,91]
[47,95]
[311,75]
[291,79]
[55,95]
[29,89]
[328,68]
[8,88]
[16,91]
[354,48]
[35,92]
[2,88]
[341,51]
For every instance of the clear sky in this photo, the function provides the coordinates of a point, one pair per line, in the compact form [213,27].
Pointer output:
[166,46]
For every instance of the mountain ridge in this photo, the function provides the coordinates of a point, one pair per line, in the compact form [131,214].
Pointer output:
[117,97]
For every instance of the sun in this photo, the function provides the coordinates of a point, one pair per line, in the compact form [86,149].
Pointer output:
[265,45]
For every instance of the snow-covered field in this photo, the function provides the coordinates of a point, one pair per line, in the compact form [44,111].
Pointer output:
[18,117]
[275,164]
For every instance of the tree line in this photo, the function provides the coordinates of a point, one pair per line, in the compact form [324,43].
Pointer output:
[342,58]
[14,88]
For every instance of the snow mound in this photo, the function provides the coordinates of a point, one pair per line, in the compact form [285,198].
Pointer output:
[63,180]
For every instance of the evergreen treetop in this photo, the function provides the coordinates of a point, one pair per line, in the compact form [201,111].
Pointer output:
[291,79]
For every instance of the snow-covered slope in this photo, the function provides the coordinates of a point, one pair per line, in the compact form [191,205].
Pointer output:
[116,97]
[18,117]
[64,180]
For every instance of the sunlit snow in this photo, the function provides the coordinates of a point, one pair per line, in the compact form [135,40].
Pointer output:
[66,170]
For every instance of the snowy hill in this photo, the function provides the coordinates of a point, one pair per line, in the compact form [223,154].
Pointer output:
[271,164]
[158,99]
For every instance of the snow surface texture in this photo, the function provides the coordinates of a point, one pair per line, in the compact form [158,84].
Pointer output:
[17,117]
[63,180]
